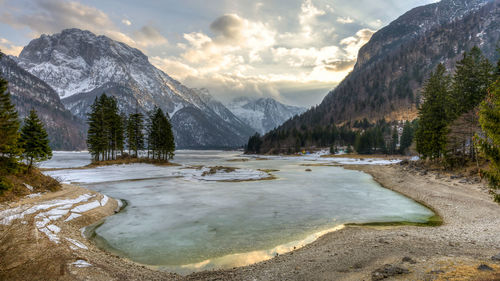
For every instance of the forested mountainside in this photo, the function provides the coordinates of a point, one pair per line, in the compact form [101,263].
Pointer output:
[263,114]
[80,66]
[387,80]
[66,132]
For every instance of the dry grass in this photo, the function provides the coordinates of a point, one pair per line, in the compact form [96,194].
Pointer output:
[18,181]
[466,272]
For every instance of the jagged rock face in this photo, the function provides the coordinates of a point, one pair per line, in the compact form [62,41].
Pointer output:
[391,70]
[80,66]
[413,24]
[66,132]
[263,114]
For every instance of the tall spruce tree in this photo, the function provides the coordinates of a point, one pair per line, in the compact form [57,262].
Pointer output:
[135,136]
[489,144]
[96,141]
[9,124]
[406,138]
[160,136]
[434,115]
[473,75]
[34,140]
[394,141]
[105,136]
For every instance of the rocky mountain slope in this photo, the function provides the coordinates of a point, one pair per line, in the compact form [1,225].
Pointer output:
[66,132]
[80,66]
[393,65]
[263,114]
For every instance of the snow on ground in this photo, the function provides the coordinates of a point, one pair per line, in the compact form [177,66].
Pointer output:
[48,212]
[81,263]
[76,244]
[222,175]
[321,156]
[86,207]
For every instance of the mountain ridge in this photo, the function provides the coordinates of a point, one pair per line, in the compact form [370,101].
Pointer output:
[65,131]
[263,114]
[80,65]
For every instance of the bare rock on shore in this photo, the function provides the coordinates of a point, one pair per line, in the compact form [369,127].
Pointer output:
[387,271]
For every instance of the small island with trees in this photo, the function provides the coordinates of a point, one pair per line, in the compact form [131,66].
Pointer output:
[112,132]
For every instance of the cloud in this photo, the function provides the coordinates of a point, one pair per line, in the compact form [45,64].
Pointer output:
[9,48]
[345,20]
[352,44]
[126,22]
[52,16]
[149,36]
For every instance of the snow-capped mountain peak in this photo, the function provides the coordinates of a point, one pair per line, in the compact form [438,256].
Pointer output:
[80,65]
[263,114]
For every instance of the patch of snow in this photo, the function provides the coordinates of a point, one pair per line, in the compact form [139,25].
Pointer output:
[221,175]
[77,244]
[54,228]
[81,263]
[28,186]
[34,195]
[72,216]
[52,237]
[104,200]
[86,207]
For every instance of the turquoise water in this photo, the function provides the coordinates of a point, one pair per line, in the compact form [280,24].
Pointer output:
[180,224]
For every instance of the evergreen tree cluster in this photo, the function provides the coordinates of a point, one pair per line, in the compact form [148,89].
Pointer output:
[29,143]
[111,131]
[448,118]
[489,144]
[160,137]
[366,138]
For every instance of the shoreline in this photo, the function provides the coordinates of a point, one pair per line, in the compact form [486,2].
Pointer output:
[352,253]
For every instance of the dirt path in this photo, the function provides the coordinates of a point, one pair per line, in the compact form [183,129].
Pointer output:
[468,237]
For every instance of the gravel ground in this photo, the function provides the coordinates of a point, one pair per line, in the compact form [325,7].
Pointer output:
[468,238]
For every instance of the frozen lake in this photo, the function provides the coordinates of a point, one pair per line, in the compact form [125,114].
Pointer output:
[180,220]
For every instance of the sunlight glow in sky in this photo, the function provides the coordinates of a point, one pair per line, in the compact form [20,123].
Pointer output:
[292,50]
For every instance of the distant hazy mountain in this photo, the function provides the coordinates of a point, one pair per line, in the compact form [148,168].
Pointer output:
[80,66]
[263,114]
[66,132]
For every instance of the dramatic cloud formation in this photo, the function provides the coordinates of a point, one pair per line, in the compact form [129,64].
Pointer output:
[293,50]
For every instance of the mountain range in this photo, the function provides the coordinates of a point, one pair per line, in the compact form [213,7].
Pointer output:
[66,132]
[392,67]
[263,114]
[70,69]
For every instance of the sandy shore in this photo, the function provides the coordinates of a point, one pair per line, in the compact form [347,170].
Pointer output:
[468,237]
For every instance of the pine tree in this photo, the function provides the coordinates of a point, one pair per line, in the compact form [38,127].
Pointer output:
[160,136]
[406,138]
[34,140]
[96,137]
[473,76]
[434,115]
[9,134]
[489,145]
[394,141]
[135,136]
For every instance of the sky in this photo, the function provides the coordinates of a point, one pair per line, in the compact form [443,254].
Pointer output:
[295,51]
